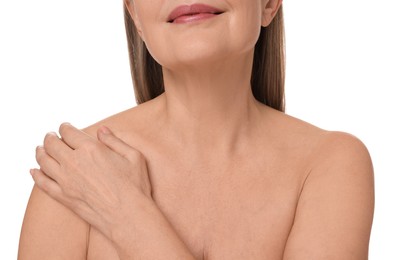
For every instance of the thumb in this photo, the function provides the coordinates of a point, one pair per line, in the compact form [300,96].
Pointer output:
[105,135]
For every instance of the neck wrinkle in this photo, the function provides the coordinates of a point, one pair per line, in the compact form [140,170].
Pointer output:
[212,107]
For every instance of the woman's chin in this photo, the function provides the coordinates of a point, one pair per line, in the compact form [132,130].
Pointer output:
[195,59]
[193,64]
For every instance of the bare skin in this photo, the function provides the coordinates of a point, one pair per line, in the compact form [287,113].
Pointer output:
[259,199]
[241,203]
[235,178]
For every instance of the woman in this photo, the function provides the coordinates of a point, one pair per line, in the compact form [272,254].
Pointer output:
[209,169]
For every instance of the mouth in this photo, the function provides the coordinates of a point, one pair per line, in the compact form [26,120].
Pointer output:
[186,13]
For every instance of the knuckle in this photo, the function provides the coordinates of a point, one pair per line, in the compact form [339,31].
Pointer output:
[89,146]
[73,161]
[136,156]
[70,165]
[70,190]
[64,185]
[61,177]
[41,183]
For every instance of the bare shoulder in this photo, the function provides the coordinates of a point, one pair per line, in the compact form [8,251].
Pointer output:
[51,231]
[331,149]
[327,146]
[136,120]
[340,149]
[335,208]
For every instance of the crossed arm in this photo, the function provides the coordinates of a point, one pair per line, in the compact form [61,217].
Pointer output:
[91,180]
[106,183]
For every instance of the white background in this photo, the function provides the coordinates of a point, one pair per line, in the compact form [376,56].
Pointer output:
[67,61]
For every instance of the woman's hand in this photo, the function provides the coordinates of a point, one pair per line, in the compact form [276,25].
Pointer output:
[97,179]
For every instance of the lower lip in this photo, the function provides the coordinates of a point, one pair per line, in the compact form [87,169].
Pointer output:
[194,18]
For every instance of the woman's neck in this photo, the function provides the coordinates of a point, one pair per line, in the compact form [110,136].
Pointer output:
[211,106]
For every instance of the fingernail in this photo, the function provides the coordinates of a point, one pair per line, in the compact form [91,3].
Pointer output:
[105,130]
[64,124]
[52,133]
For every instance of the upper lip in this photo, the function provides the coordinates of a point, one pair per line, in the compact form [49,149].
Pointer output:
[192,9]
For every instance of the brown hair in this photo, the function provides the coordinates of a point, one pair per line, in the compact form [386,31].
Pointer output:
[268,74]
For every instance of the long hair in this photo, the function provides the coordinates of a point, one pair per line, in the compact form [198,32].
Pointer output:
[268,73]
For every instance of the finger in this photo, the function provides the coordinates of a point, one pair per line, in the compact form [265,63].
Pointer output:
[105,135]
[47,164]
[72,136]
[46,184]
[56,148]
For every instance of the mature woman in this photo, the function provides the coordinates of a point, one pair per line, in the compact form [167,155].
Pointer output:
[207,166]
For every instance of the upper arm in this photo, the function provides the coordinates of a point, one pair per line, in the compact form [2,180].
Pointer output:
[335,209]
[51,231]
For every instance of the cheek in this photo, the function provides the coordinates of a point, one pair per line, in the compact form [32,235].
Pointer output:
[158,42]
[154,39]
[245,24]
[152,28]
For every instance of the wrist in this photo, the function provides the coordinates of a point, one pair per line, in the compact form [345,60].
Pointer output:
[123,230]
[143,231]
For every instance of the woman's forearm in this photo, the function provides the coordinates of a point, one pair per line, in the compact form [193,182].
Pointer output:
[143,232]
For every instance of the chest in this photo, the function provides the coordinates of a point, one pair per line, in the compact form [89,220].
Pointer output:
[238,211]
